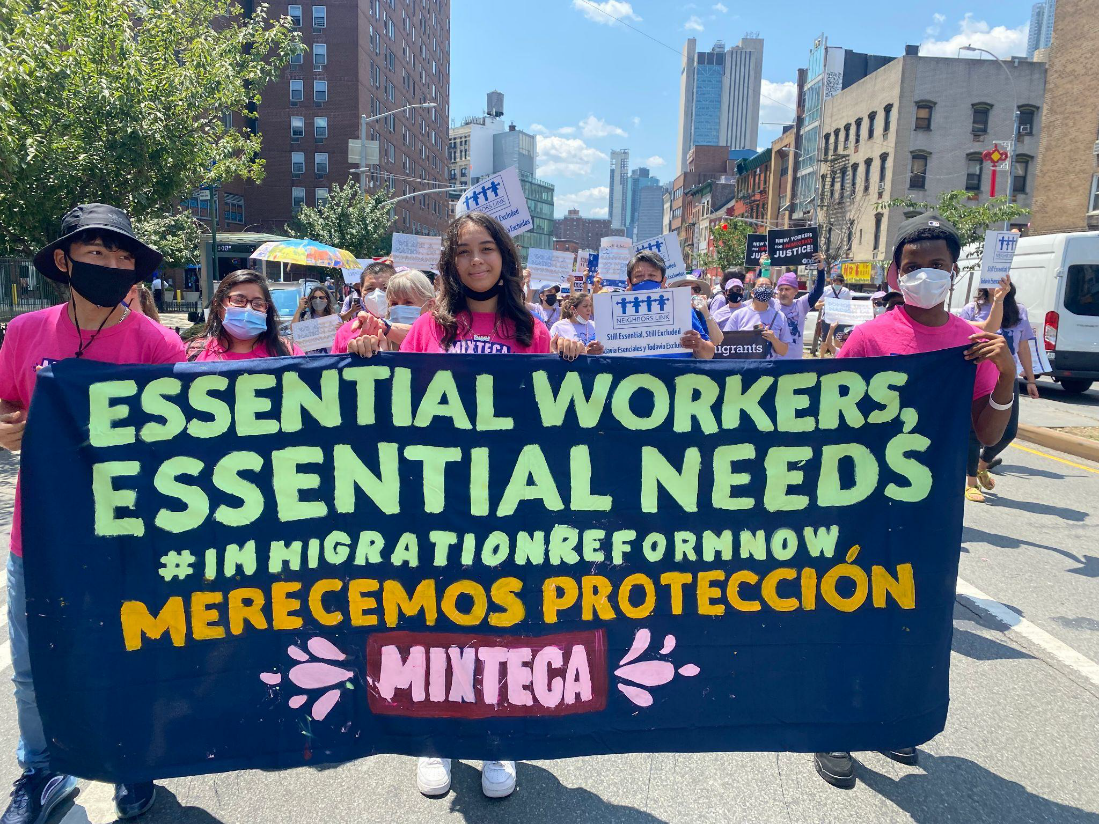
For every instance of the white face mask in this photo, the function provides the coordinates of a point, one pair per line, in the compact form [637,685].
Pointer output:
[375,302]
[404,314]
[925,288]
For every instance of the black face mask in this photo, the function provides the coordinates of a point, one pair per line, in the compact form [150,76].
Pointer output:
[551,298]
[488,294]
[734,296]
[104,286]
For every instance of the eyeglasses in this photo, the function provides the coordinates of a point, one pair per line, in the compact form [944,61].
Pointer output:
[240,301]
[697,290]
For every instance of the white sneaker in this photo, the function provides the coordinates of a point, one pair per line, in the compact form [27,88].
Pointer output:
[433,776]
[498,778]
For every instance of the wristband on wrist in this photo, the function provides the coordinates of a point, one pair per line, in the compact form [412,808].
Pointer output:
[387,325]
[1001,407]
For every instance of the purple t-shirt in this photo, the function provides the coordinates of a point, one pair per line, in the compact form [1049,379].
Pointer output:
[974,313]
[746,318]
[795,315]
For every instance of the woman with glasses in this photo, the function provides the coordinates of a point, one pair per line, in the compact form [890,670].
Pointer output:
[243,322]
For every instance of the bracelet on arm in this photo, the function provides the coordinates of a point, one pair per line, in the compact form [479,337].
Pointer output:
[1001,407]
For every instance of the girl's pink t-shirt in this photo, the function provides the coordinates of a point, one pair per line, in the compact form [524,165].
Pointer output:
[40,338]
[478,333]
[213,352]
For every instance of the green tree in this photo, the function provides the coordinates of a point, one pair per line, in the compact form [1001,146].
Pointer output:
[347,220]
[176,235]
[128,102]
[730,240]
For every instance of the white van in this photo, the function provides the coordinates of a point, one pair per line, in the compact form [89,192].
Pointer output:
[1056,278]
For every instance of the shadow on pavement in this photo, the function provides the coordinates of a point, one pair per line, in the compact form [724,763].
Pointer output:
[1089,564]
[165,810]
[977,795]
[539,797]
[1012,471]
[1035,508]
[979,648]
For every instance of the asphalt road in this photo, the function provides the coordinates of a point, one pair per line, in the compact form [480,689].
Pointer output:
[1021,742]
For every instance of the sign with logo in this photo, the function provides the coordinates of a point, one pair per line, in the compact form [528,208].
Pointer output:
[648,322]
[315,333]
[667,246]
[501,197]
[755,249]
[746,345]
[792,247]
[614,254]
[848,312]
[417,251]
[996,259]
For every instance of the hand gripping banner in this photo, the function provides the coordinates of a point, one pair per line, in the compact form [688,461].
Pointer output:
[298,561]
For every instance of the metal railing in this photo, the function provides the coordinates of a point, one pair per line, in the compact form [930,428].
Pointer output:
[24,289]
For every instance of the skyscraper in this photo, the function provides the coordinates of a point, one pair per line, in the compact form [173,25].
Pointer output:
[719,96]
[1040,34]
[639,179]
[619,182]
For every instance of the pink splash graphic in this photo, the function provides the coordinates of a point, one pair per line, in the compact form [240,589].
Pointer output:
[653,673]
[314,675]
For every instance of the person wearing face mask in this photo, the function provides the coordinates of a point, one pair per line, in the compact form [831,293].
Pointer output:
[243,323]
[317,304]
[719,300]
[926,257]
[100,259]
[761,314]
[409,294]
[733,285]
[547,310]
[646,270]
[796,309]
[574,334]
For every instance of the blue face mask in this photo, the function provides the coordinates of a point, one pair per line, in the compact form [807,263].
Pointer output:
[645,285]
[404,314]
[244,322]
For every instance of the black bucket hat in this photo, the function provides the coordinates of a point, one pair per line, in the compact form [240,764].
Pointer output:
[104,218]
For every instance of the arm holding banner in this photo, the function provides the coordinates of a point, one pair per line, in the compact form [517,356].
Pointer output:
[818,285]
[701,349]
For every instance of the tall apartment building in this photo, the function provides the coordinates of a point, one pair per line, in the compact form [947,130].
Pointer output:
[585,231]
[639,179]
[1066,193]
[917,127]
[618,188]
[719,96]
[1040,34]
[374,57]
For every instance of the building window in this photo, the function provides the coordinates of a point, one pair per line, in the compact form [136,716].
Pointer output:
[297,90]
[200,201]
[1094,193]
[882,173]
[974,168]
[234,208]
[866,175]
[296,56]
[980,118]
[877,230]
[843,182]
[858,131]
[297,163]
[825,154]
[822,188]
[295,15]
[923,117]
[321,195]
[297,198]
[320,163]
[320,128]
[887,118]
[846,136]
[297,127]
[917,172]
[320,56]
[320,90]
[1026,119]
[871,119]
[1020,168]
[320,17]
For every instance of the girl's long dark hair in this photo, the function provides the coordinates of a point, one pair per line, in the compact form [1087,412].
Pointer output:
[270,337]
[1011,309]
[513,318]
[571,304]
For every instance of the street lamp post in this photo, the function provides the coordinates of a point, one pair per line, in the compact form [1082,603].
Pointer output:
[362,137]
[1015,127]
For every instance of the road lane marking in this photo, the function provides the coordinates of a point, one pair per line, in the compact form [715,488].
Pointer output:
[1054,458]
[5,655]
[94,805]
[1031,632]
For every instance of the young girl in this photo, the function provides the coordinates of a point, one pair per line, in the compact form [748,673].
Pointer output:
[574,334]
[243,322]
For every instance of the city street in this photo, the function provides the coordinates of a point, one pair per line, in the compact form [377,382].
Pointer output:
[1020,743]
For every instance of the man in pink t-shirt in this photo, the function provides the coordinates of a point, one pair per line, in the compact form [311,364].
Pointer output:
[99,259]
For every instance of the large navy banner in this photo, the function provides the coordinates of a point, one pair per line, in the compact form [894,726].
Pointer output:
[297,561]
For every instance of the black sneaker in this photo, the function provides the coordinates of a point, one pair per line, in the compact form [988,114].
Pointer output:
[35,795]
[903,755]
[836,768]
[132,800]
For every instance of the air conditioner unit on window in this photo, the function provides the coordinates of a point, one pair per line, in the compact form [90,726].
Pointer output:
[1025,129]
[881,187]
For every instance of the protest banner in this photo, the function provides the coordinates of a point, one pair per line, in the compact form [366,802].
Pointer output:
[548,267]
[417,251]
[317,333]
[848,312]
[501,197]
[300,561]
[667,246]
[755,249]
[791,247]
[642,323]
[614,255]
[996,259]
[746,345]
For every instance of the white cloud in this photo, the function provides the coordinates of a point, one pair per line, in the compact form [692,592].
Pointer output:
[694,23]
[771,111]
[565,157]
[636,121]
[721,7]
[538,128]
[939,18]
[937,26]
[591,126]
[600,212]
[1000,40]
[655,162]
[567,130]
[606,11]
[587,201]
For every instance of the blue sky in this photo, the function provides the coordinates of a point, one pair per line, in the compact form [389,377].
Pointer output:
[588,84]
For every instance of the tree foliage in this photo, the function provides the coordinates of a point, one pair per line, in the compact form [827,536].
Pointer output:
[176,235]
[347,220]
[730,239]
[125,102]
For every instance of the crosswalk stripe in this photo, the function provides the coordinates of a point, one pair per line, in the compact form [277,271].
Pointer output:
[94,805]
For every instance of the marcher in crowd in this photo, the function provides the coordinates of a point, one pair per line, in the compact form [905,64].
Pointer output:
[761,315]
[243,322]
[99,258]
[317,304]
[139,299]
[926,256]
[547,308]
[721,299]
[796,309]
[409,294]
[646,270]
[574,334]
[732,284]
[352,304]
[597,286]
[700,303]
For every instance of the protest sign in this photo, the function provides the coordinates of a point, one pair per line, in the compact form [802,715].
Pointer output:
[501,197]
[417,251]
[642,323]
[317,333]
[996,260]
[755,248]
[592,264]
[848,312]
[747,345]
[791,247]
[614,255]
[550,265]
[300,561]
[667,246]
[861,272]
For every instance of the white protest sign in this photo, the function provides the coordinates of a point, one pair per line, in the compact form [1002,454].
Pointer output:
[319,333]
[998,254]
[550,265]
[667,246]
[848,312]
[416,251]
[614,254]
[501,197]
[648,322]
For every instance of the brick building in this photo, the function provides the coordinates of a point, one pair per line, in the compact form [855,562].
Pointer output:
[704,163]
[585,231]
[1066,191]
